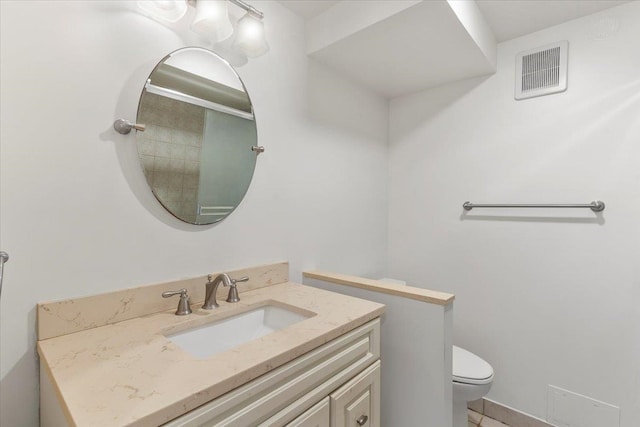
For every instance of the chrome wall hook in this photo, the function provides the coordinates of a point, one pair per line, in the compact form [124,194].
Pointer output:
[257,149]
[124,126]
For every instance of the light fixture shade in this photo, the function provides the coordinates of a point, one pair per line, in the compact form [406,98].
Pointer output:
[250,38]
[233,56]
[164,10]
[212,20]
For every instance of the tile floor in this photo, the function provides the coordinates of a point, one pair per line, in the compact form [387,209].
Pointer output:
[485,413]
[478,420]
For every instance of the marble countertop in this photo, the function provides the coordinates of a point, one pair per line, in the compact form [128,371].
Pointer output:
[130,374]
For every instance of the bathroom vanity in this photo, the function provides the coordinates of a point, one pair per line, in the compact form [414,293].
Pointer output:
[334,385]
[321,370]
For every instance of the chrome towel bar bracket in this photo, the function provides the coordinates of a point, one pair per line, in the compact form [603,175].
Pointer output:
[596,206]
[4,257]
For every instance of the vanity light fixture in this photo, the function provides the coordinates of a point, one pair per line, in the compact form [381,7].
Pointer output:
[250,38]
[212,21]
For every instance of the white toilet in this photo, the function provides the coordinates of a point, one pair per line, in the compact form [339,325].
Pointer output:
[472,379]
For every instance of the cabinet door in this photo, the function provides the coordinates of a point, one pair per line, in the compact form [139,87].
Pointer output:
[357,403]
[317,416]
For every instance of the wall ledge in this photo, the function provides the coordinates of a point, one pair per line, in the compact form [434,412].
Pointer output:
[411,292]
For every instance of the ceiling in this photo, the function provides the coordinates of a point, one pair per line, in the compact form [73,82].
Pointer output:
[308,8]
[514,18]
[418,47]
[398,47]
[507,18]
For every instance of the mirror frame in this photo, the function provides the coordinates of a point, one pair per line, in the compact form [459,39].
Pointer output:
[256,149]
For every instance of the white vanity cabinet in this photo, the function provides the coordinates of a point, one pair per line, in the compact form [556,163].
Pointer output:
[355,404]
[337,384]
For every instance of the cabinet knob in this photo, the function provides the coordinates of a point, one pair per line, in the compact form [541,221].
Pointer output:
[362,420]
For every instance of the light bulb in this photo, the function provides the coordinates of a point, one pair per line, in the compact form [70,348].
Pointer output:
[250,38]
[164,10]
[212,20]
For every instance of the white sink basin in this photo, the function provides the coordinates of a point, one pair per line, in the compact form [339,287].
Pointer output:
[225,334]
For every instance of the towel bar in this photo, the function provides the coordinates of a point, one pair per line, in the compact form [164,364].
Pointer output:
[596,206]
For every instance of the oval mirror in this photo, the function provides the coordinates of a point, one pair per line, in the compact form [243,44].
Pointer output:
[197,150]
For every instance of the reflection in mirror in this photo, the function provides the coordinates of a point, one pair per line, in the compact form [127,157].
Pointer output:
[196,152]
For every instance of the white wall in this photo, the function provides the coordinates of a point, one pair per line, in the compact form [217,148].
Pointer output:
[548,296]
[76,215]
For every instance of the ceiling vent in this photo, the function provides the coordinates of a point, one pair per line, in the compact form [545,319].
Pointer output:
[542,71]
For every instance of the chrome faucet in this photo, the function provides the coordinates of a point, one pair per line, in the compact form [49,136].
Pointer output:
[210,300]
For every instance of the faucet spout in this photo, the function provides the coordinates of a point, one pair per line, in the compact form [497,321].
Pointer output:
[210,301]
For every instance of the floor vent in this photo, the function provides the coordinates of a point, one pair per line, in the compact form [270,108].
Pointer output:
[568,409]
[542,71]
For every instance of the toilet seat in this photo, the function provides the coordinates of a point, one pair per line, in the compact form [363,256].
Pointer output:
[469,368]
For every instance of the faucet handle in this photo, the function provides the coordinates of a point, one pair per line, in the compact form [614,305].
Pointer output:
[184,307]
[233,289]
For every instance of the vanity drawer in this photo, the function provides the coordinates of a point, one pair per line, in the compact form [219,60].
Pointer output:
[305,381]
[318,416]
